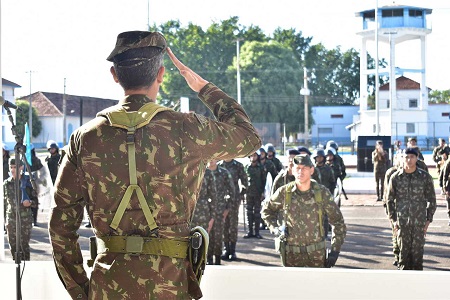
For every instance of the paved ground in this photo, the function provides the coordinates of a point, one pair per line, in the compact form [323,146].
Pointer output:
[367,244]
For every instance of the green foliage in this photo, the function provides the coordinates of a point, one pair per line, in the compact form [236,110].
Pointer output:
[271,69]
[437,96]
[22,118]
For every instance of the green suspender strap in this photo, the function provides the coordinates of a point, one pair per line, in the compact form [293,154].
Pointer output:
[317,198]
[132,121]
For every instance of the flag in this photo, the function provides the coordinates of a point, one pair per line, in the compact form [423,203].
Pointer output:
[27,139]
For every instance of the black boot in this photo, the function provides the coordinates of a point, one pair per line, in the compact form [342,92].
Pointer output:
[209,260]
[233,251]
[257,235]
[226,251]
[217,260]
[249,234]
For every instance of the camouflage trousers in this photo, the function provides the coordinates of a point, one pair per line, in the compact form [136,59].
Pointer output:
[216,237]
[314,259]
[230,227]
[25,236]
[411,242]
[379,180]
[395,248]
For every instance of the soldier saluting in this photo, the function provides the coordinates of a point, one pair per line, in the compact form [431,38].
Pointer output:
[138,166]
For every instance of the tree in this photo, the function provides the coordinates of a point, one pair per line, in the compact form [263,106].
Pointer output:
[270,81]
[22,118]
[437,96]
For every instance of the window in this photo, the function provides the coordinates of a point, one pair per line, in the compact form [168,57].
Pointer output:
[392,13]
[413,103]
[415,13]
[325,130]
[337,116]
[410,128]
[445,114]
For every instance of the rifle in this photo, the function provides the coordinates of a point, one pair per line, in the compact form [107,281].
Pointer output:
[345,194]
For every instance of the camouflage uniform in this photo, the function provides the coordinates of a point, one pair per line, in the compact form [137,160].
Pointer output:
[255,194]
[36,165]
[204,209]
[379,168]
[326,176]
[277,163]
[387,178]
[303,225]
[225,190]
[230,228]
[25,214]
[282,178]
[444,179]
[408,197]
[171,156]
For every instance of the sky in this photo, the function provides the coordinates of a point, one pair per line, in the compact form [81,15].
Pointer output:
[67,41]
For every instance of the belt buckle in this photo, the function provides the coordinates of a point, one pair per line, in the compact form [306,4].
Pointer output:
[134,244]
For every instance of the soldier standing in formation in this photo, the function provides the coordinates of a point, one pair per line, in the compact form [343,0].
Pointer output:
[444,178]
[271,155]
[397,166]
[327,178]
[26,200]
[225,191]
[255,194]
[5,176]
[53,159]
[138,166]
[230,228]
[380,161]
[316,174]
[286,175]
[337,159]
[304,202]
[411,203]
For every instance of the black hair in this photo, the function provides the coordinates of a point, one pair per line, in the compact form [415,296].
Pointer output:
[137,68]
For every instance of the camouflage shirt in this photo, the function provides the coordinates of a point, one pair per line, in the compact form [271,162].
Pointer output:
[282,178]
[411,197]
[379,161]
[9,194]
[302,217]
[237,172]
[171,156]
[204,209]
[326,177]
[256,180]
[224,189]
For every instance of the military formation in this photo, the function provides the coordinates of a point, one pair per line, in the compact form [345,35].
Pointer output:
[163,189]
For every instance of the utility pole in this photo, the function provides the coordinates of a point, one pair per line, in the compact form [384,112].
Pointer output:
[238,70]
[305,92]
[377,76]
[30,112]
[64,115]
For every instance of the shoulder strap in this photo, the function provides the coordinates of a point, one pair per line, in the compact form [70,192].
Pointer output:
[119,117]
[317,197]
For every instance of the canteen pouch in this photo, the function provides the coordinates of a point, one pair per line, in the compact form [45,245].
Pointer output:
[280,247]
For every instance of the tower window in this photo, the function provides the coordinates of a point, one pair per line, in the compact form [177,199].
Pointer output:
[413,103]
[410,128]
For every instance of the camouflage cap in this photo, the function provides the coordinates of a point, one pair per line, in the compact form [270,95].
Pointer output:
[303,159]
[137,39]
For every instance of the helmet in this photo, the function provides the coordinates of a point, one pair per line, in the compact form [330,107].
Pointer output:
[330,150]
[270,148]
[318,152]
[262,150]
[332,144]
[304,149]
[52,144]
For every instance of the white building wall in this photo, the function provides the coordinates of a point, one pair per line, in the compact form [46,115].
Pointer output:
[8,137]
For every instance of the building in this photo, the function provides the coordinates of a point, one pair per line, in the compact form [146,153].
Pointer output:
[400,108]
[329,123]
[8,93]
[79,110]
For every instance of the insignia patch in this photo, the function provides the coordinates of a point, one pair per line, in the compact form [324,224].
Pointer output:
[201,118]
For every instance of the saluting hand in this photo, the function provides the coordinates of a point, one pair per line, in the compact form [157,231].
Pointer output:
[195,82]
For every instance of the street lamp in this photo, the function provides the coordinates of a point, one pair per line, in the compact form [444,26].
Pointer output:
[305,92]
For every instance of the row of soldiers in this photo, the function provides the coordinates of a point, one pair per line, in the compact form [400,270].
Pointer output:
[227,183]
[28,202]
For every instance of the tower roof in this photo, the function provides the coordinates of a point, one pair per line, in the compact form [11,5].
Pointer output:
[402,83]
